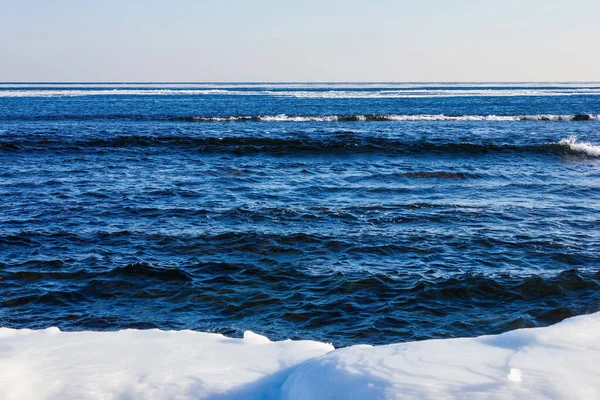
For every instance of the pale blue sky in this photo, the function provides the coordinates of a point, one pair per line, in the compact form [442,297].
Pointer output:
[310,40]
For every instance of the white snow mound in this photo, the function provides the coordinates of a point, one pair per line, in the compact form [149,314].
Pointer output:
[558,362]
[149,364]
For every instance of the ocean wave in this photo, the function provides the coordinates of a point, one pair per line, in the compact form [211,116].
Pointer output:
[307,118]
[337,143]
[389,117]
[581,147]
[217,287]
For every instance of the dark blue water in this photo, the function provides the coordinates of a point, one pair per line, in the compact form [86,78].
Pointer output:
[343,213]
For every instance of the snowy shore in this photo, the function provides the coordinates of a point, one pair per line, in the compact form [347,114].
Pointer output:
[561,362]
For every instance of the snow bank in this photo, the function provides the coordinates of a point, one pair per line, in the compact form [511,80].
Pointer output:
[149,364]
[559,362]
[562,361]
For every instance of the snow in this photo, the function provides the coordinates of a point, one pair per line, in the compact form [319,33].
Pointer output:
[557,362]
[148,364]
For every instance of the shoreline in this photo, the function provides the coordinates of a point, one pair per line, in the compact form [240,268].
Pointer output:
[553,362]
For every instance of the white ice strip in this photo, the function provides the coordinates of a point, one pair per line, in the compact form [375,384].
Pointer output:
[323,94]
[309,85]
[115,92]
[433,93]
[558,362]
[582,147]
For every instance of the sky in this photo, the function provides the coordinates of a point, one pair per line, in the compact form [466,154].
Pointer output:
[309,40]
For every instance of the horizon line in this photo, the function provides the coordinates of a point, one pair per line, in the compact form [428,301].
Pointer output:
[287,82]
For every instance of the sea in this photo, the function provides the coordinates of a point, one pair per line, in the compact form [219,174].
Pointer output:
[341,212]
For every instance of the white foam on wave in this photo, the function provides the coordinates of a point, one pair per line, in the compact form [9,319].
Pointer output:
[288,118]
[582,147]
[441,117]
[392,117]
[220,119]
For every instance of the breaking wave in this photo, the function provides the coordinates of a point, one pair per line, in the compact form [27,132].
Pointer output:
[341,143]
[389,117]
[581,147]
[307,118]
